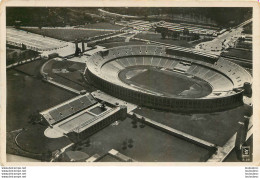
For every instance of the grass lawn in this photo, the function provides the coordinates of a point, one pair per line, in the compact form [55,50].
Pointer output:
[103,25]
[32,68]
[239,54]
[148,144]
[72,79]
[216,128]
[117,44]
[158,38]
[166,82]
[153,79]
[33,140]
[27,95]
[12,148]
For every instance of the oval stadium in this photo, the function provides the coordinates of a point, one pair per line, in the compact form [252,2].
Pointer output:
[173,79]
[107,84]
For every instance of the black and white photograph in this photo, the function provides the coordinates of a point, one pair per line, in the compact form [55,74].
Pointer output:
[129,84]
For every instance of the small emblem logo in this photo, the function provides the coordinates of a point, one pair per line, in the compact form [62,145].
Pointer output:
[246,153]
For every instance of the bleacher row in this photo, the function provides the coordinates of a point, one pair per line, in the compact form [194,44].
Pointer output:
[217,81]
[223,75]
[153,50]
[234,71]
[65,110]
[32,41]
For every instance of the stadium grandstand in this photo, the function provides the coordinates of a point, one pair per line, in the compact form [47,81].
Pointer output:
[64,110]
[213,84]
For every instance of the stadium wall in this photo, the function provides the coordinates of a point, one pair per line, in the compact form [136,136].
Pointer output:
[199,105]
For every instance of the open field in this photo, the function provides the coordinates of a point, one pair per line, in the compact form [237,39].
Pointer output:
[103,25]
[238,53]
[213,127]
[27,95]
[32,68]
[149,144]
[244,45]
[157,37]
[13,149]
[117,44]
[39,143]
[71,78]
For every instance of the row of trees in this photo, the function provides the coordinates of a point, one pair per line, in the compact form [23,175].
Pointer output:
[176,34]
[19,55]
[53,16]
[43,16]
[222,16]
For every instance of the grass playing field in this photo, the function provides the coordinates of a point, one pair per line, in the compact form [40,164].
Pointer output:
[166,82]
[160,81]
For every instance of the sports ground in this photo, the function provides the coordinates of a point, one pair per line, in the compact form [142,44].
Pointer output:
[133,64]
[165,82]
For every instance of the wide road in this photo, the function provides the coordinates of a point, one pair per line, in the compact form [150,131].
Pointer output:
[223,41]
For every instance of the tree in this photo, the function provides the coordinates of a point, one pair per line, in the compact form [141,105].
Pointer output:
[195,36]
[142,122]
[163,33]
[185,31]
[130,140]
[134,121]
[23,46]
[124,145]
[175,34]
[130,145]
